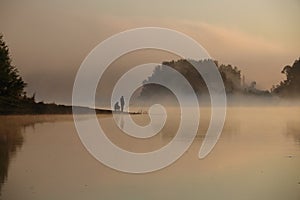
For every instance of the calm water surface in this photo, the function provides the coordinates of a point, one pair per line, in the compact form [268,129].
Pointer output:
[257,157]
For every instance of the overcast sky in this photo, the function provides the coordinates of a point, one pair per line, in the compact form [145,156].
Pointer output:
[48,40]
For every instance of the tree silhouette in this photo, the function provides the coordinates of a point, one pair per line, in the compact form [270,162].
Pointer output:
[230,75]
[11,83]
[11,139]
[290,87]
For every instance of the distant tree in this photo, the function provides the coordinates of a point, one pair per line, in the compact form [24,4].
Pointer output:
[11,83]
[230,75]
[231,78]
[185,68]
[291,85]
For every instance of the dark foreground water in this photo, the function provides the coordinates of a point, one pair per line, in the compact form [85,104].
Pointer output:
[257,157]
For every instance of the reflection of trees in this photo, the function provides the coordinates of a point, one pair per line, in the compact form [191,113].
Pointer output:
[11,139]
[293,130]
[231,128]
[11,136]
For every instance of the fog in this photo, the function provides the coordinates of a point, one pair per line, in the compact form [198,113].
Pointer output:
[258,146]
[49,40]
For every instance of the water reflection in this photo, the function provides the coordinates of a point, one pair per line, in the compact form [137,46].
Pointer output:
[252,154]
[120,120]
[293,130]
[11,139]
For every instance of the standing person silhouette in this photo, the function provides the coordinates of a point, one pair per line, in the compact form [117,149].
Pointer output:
[122,103]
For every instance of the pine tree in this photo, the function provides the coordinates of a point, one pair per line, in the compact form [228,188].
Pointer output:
[11,83]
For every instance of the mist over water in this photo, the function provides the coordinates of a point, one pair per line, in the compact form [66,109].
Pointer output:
[149,100]
[256,157]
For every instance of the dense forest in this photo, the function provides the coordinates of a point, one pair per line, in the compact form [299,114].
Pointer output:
[290,87]
[232,77]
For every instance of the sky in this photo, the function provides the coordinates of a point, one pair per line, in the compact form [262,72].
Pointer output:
[48,40]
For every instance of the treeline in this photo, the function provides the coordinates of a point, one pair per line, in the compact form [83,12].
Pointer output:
[13,98]
[233,79]
[290,87]
[27,105]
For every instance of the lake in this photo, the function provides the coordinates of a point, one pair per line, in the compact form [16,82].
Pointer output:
[256,157]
